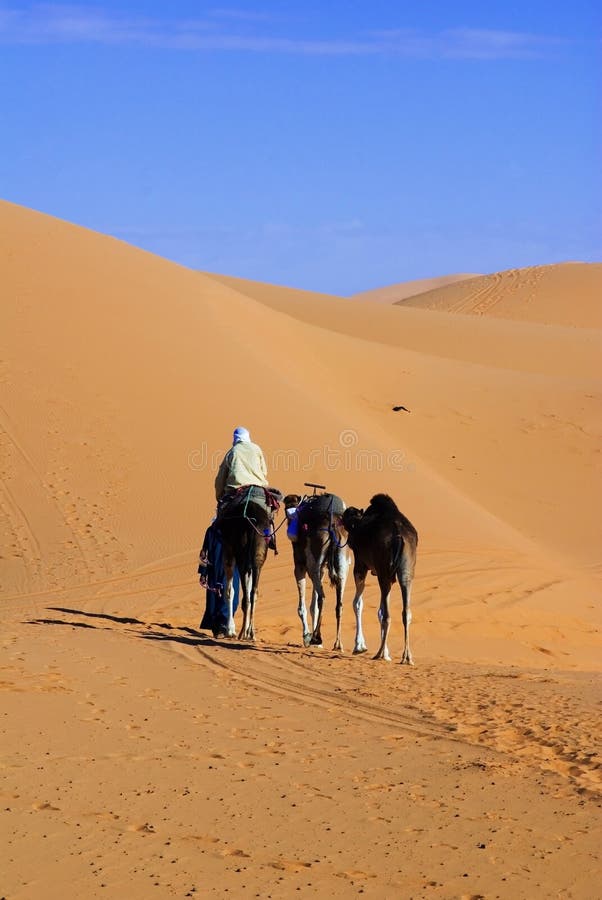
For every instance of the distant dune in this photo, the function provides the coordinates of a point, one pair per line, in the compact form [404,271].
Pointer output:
[564,294]
[506,344]
[395,293]
[136,749]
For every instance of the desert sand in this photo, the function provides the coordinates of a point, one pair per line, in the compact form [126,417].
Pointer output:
[564,294]
[141,757]
[396,293]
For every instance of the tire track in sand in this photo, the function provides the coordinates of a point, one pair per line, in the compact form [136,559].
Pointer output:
[37,482]
[21,540]
[534,722]
[275,674]
[545,722]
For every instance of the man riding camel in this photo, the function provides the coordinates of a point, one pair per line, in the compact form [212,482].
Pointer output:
[244,464]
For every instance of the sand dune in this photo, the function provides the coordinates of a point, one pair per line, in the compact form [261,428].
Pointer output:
[396,293]
[140,753]
[565,294]
[487,398]
[516,345]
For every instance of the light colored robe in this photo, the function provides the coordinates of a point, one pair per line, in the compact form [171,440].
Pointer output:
[243,464]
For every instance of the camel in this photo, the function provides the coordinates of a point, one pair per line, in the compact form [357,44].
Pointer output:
[245,521]
[383,542]
[318,544]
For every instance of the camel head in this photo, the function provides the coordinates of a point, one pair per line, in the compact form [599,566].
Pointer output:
[351,517]
[291,501]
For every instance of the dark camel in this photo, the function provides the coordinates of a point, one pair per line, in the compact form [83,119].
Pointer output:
[319,546]
[246,525]
[384,542]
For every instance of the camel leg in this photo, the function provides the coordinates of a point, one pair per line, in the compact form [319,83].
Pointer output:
[314,566]
[244,604]
[300,573]
[258,555]
[246,584]
[229,588]
[385,619]
[359,575]
[316,638]
[313,569]
[313,608]
[338,643]
[253,586]
[341,564]
[406,615]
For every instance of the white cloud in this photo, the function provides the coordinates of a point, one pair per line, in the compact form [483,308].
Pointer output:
[241,15]
[47,23]
[482,43]
[237,30]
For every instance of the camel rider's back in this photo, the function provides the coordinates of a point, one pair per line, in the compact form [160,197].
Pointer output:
[243,464]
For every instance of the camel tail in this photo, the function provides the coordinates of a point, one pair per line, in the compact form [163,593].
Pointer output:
[331,557]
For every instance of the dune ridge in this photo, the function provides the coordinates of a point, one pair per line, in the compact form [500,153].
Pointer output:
[555,350]
[544,294]
[397,293]
[122,376]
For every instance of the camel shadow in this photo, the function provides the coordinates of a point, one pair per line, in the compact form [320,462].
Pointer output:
[60,622]
[187,636]
[197,639]
[121,620]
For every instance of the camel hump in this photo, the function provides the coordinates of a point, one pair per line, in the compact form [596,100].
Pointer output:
[384,505]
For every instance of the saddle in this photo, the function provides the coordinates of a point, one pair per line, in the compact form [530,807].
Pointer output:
[311,511]
[269,498]
[320,505]
[234,505]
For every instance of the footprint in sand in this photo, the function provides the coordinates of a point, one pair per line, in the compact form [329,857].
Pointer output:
[286,865]
[146,828]
[203,838]
[355,873]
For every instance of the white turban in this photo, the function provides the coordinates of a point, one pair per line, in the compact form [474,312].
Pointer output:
[241,436]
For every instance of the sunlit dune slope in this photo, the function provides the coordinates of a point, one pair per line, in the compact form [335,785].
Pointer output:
[123,376]
[396,293]
[271,294]
[523,346]
[503,406]
[564,294]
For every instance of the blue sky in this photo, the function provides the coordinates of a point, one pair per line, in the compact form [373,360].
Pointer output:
[335,146]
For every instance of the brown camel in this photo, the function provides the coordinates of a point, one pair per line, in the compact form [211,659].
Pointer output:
[318,545]
[384,542]
[245,521]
